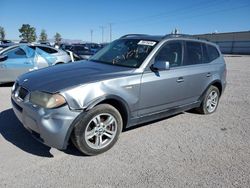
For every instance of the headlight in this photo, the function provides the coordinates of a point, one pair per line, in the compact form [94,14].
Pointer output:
[15,86]
[47,100]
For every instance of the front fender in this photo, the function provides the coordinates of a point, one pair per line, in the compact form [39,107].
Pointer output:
[86,96]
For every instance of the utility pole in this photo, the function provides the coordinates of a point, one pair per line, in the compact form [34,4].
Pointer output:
[102,28]
[91,35]
[110,32]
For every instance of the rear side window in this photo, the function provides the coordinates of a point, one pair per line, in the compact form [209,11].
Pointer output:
[212,52]
[205,53]
[171,52]
[193,53]
[48,50]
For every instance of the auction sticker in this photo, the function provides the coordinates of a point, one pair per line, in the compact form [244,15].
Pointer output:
[147,43]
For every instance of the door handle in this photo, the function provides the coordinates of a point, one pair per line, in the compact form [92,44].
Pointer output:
[209,74]
[180,79]
[26,62]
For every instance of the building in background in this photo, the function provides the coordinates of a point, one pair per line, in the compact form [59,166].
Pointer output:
[230,43]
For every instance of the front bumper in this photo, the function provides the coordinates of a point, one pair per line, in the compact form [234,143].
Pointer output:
[50,126]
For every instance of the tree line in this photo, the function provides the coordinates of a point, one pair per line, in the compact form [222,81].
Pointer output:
[28,34]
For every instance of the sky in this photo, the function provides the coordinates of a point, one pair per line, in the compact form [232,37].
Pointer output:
[74,19]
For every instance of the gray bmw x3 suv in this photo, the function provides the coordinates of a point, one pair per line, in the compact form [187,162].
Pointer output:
[133,80]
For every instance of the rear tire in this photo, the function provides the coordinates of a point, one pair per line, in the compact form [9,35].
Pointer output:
[97,130]
[210,101]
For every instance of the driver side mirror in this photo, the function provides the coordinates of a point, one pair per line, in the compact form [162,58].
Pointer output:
[160,65]
[3,58]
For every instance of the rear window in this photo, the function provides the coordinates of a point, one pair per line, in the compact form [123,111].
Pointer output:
[212,52]
[205,53]
[48,50]
[81,50]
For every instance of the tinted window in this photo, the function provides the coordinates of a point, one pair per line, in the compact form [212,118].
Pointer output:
[80,50]
[212,52]
[171,52]
[205,54]
[193,53]
[15,53]
[47,50]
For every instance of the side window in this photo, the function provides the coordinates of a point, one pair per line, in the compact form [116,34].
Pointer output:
[171,52]
[48,50]
[205,54]
[193,53]
[16,53]
[212,52]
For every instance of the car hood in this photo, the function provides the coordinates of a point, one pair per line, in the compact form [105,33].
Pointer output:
[59,77]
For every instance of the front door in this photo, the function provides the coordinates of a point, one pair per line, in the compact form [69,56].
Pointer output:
[164,89]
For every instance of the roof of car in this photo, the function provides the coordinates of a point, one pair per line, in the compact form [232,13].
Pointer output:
[143,36]
[158,38]
[26,44]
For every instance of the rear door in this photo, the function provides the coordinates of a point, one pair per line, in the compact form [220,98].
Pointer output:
[16,64]
[197,70]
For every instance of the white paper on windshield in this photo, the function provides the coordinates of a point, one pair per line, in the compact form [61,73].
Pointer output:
[147,43]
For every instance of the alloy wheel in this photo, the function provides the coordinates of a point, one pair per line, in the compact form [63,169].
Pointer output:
[212,101]
[100,131]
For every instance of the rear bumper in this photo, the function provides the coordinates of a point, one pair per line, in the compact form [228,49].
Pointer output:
[49,126]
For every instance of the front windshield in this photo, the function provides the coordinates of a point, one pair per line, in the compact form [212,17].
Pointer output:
[125,52]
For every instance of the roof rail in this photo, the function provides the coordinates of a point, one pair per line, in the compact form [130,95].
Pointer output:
[131,35]
[178,35]
[186,36]
[201,38]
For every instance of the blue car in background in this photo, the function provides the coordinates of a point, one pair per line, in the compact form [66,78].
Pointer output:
[18,59]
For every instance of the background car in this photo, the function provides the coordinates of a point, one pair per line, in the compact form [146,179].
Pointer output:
[23,41]
[93,47]
[18,59]
[65,46]
[73,56]
[81,50]
[5,44]
[47,43]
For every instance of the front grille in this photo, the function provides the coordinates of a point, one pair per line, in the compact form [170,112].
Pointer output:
[22,93]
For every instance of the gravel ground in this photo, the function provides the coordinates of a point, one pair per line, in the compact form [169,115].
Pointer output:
[187,150]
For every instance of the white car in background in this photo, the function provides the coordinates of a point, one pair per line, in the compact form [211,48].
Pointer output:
[18,59]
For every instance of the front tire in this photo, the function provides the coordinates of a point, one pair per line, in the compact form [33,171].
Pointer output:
[97,130]
[210,101]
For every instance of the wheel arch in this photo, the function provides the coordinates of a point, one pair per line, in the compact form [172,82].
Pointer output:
[120,104]
[216,83]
